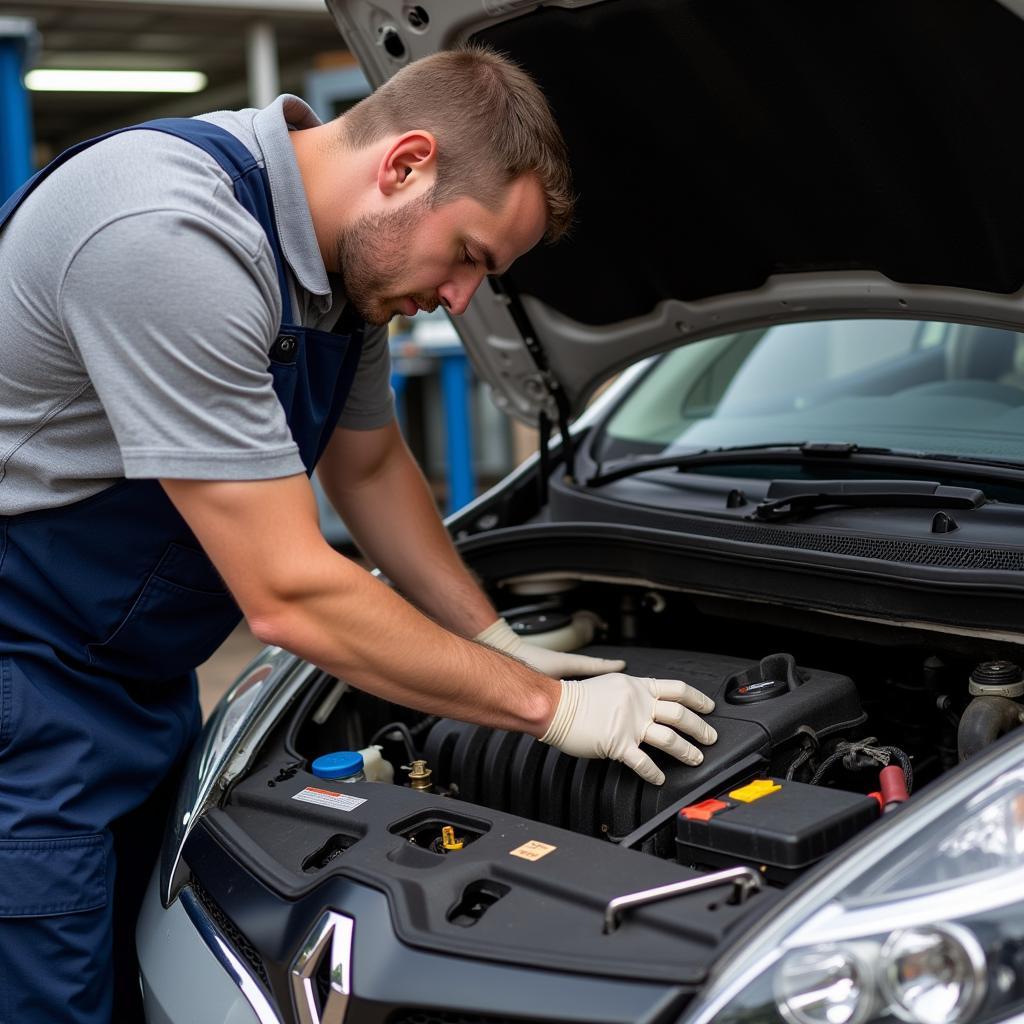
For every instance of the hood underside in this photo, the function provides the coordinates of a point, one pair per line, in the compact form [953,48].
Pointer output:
[740,163]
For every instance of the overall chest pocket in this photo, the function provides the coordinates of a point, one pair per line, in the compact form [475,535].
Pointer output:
[181,614]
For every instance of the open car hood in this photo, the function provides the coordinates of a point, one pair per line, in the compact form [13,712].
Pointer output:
[741,163]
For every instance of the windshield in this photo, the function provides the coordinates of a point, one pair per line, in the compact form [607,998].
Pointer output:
[912,385]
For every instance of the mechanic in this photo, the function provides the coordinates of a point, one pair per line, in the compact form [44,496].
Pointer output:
[193,316]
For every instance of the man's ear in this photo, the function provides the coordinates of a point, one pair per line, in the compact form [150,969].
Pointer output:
[409,164]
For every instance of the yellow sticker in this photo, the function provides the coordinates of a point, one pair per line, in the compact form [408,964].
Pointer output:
[755,790]
[533,850]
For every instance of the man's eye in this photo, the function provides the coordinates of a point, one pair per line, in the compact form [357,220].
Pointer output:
[467,258]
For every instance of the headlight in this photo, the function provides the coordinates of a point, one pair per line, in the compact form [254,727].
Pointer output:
[920,920]
[935,974]
[234,731]
[823,986]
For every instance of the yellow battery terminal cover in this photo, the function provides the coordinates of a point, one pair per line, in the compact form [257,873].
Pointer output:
[754,790]
[448,840]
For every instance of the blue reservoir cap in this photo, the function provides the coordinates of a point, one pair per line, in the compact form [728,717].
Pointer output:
[339,764]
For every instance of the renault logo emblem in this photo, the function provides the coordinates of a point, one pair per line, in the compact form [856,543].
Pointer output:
[324,964]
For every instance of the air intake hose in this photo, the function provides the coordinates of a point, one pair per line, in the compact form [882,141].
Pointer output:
[984,721]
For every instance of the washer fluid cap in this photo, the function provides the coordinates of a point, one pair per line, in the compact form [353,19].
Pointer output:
[339,764]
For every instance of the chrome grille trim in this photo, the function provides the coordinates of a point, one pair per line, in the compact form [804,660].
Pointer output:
[219,946]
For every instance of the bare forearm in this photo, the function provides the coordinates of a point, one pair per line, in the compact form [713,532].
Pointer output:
[393,519]
[355,627]
[299,594]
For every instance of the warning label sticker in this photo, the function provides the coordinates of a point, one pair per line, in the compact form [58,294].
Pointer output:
[533,850]
[328,798]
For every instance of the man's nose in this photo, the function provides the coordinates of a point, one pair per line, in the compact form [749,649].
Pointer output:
[455,294]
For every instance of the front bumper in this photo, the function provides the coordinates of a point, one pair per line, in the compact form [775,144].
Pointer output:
[189,969]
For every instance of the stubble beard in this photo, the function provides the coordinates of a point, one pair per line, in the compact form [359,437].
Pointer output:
[372,259]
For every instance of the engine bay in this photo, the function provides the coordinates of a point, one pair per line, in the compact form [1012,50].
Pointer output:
[493,846]
[816,713]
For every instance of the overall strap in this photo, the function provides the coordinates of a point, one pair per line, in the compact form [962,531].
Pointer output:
[248,179]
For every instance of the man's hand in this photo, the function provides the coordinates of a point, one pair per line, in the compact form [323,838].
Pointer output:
[556,664]
[610,716]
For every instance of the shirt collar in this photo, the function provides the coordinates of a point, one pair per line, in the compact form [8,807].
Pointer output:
[291,210]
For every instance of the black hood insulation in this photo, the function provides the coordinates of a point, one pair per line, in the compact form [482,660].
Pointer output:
[716,143]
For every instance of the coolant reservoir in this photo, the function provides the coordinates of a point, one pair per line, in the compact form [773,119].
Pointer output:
[557,631]
[375,768]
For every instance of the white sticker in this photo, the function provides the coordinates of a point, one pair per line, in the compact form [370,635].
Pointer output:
[328,798]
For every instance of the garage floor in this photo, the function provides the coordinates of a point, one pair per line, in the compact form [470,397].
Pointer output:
[217,674]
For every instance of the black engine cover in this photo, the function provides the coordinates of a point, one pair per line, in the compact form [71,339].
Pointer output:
[512,772]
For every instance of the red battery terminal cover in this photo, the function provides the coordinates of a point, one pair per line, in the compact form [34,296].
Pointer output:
[893,784]
[704,811]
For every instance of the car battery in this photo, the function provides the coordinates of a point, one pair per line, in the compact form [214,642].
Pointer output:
[775,826]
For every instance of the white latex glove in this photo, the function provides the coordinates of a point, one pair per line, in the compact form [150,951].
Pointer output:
[556,664]
[610,716]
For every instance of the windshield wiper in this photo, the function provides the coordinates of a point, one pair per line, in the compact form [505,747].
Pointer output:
[774,452]
[869,494]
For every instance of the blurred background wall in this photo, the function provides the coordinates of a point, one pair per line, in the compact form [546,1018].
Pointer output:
[247,51]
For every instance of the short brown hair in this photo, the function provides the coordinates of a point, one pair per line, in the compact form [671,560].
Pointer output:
[491,122]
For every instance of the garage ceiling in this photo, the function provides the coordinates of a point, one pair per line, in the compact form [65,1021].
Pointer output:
[145,35]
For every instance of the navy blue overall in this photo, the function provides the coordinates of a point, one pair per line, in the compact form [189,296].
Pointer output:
[106,607]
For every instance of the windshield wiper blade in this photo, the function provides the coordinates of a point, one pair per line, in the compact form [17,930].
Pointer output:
[981,461]
[772,452]
[869,494]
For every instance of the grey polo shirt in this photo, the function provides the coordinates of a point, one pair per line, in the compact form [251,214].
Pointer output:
[138,304]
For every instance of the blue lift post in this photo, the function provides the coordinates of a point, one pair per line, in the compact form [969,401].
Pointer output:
[17,40]
[452,366]
[455,389]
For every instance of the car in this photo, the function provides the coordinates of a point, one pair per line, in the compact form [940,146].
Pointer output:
[798,260]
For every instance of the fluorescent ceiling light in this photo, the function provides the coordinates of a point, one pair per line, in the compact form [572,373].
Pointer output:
[82,80]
